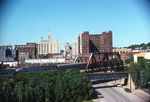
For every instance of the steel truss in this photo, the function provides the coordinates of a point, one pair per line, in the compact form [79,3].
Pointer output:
[102,61]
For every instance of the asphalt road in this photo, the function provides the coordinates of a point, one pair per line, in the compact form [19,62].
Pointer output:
[114,94]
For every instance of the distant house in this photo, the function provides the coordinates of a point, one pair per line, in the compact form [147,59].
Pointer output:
[142,55]
[125,53]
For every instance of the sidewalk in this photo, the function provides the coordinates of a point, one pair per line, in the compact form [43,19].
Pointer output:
[141,94]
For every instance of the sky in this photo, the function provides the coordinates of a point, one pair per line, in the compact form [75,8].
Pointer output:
[23,21]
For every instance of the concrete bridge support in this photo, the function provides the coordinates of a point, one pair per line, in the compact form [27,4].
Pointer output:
[130,84]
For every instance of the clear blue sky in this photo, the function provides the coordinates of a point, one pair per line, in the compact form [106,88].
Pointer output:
[24,21]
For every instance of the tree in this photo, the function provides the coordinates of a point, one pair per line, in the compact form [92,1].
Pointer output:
[148,44]
[135,73]
[146,78]
[128,61]
[48,86]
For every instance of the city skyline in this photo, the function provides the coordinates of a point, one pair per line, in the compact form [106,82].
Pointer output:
[27,21]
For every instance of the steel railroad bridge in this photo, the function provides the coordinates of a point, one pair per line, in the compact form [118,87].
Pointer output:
[102,61]
[103,66]
[99,66]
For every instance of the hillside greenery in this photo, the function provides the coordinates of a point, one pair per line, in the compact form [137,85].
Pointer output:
[46,86]
[141,46]
[140,73]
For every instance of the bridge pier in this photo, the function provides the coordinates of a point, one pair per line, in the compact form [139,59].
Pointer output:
[130,84]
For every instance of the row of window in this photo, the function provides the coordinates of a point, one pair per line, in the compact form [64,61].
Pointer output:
[20,46]
[26,50]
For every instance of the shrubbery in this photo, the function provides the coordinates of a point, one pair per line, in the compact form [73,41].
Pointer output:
[140,73]
[47,86]
[135,70]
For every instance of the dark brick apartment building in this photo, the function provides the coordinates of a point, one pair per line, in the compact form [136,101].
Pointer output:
[89,43]
[27,51]
[95,42]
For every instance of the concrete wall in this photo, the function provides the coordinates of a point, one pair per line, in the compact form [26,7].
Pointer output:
[130,83]
[12,64]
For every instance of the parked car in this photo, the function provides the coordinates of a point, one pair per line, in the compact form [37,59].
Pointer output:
[99,95]
[127,90]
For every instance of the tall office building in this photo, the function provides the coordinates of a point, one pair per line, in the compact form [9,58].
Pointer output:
[74,50]
[48,46]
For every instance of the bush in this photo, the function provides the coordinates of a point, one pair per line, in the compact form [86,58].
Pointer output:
[128,61]
[146,78]
[135,73]
[140,73]
[47,86]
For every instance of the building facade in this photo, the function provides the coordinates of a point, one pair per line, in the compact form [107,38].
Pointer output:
[74,50]
[28,51]
[142,55]
[122,50]
[48,46]
[67,50]
[7,53]
[95,42]
[126,53]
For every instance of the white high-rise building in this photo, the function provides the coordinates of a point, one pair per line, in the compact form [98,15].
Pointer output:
[48,46]
[74,51]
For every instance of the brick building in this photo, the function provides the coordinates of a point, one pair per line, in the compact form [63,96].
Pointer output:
[89,43]
[95,42]
[27,51]
[126,53]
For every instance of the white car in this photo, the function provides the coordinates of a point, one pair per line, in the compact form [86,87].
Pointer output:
[119,85]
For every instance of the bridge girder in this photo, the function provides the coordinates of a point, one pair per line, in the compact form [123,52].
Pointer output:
[102,61]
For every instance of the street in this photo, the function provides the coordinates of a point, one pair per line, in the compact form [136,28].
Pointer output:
[114,94]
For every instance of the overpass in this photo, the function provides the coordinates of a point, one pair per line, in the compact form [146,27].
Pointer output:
[107,76]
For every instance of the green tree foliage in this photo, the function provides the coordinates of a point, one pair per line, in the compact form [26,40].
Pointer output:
[133,46]
[140,73]
[47,86]
[128,61]
[142,45]
[148,44]
[135,73]
[146,78]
